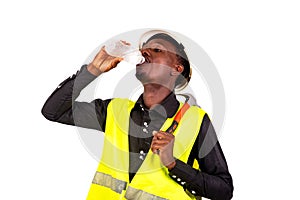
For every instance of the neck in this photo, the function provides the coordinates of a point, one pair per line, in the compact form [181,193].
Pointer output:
[154,94]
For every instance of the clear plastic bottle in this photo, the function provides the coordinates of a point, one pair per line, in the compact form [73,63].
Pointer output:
[119,48]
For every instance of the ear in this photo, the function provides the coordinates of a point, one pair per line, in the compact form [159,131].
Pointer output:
[178,70]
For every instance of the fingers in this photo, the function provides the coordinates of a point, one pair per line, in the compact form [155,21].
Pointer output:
[162,135]
[160,141]
[105,62]
[102,54]
[100,57]
[116,61]
[111,64]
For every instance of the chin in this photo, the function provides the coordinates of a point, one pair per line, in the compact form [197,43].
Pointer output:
[141,73]
[141,76]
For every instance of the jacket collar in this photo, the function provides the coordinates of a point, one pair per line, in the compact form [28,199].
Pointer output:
[167,108]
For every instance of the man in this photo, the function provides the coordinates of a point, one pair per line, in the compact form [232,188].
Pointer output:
[140,159]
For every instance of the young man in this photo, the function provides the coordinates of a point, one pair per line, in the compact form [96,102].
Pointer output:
[140,159]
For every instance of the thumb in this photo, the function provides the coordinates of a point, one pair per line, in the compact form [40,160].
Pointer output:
[112,64]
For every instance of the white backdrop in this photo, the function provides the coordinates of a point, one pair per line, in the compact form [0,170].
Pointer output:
[254,45]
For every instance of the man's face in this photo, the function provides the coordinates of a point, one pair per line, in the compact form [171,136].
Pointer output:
[160,61]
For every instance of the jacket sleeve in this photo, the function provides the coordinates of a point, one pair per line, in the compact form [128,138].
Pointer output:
[213,180]
[61,106]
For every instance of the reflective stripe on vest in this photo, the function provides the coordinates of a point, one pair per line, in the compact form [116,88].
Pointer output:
[109,182]
[151,180]
[136,194]
[118,186]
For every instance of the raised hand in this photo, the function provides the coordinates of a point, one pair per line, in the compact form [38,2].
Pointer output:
[103,62]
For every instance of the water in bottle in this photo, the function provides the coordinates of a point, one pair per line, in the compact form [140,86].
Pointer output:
[119,48]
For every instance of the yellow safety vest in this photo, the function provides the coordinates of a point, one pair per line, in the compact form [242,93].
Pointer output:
[111,181]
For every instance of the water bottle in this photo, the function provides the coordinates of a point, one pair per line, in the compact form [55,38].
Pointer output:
[124,50]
